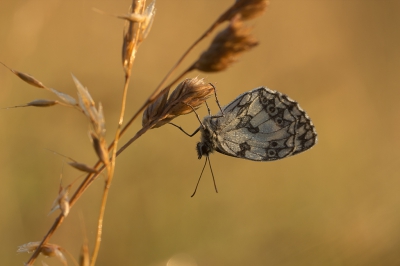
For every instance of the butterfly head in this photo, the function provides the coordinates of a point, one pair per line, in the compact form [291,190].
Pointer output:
[202,149]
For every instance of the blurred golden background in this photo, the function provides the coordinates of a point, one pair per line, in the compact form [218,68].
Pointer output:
[336,204]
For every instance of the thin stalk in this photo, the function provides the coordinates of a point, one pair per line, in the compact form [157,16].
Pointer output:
[111,167]
[110,171]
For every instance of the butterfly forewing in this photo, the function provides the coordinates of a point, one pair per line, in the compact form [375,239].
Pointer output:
[259,125]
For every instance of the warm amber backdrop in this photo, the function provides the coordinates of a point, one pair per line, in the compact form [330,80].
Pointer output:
[337,204]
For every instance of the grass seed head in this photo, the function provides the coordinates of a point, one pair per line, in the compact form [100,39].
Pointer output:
[49,250]
[83,167]
[100,147]
[191,92]
[42,103]
[226,47]
[138,24]
[27,78]
[154,110]
[62,201]
[248,9]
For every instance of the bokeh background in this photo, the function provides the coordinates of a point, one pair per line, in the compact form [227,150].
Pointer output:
[336,204]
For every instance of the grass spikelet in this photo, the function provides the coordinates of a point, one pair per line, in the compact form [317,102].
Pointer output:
[138,24]
[100,148]
[27,78]
[62,201]
[248,9]
[226,47]
[36,103]
[48,250]
[191,92]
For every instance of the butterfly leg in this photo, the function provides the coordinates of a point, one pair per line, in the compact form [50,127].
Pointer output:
[208,108]
[216,99]
[181,129]
[198,118]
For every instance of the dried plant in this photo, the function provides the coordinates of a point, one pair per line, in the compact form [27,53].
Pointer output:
[226,47]
[48,250]
[191,93]
[160,108]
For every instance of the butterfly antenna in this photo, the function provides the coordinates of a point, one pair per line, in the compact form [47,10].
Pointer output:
[216,98]
[212,173]
[198,181]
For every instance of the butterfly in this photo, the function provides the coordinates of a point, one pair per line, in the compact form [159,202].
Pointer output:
[259,125]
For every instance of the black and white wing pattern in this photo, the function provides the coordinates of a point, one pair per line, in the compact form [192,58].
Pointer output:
[259,125]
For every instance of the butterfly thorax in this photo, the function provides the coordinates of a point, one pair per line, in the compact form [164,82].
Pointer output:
[209,137]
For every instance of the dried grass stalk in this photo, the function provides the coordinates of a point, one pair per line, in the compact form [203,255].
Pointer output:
[84,259]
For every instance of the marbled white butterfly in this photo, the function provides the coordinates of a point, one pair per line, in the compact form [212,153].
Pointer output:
[259,125]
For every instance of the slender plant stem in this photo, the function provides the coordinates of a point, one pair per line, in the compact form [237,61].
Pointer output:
[111,167]
[110,173]
[100,220]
